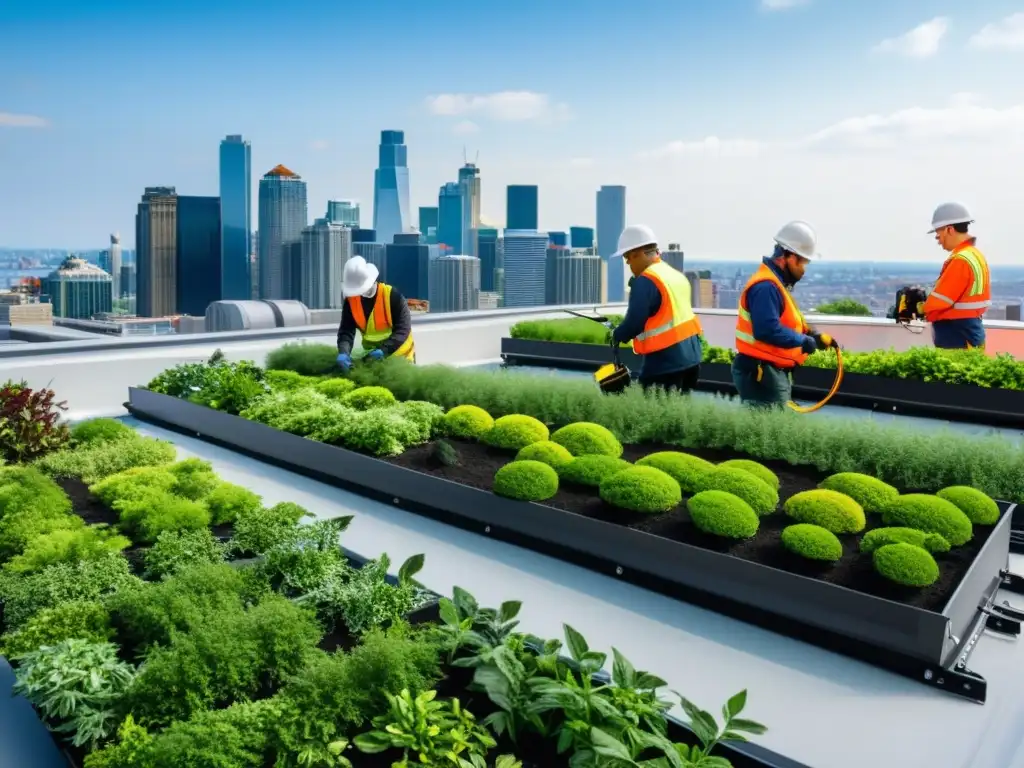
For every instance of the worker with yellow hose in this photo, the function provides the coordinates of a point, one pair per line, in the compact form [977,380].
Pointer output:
[772,337]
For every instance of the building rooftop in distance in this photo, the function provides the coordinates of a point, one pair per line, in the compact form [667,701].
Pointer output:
[282,171]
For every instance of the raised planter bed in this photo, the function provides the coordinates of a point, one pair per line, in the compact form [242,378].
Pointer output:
[955,402]
[925,634]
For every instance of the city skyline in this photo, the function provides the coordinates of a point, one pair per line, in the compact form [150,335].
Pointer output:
[878,114]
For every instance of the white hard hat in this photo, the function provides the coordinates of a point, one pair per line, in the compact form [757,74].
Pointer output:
[359,276]
[800,238]
[635,236]
[948,214]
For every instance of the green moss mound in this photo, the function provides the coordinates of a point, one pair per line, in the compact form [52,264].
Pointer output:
[685,469]
[546,451]
[586,439]
[336,389]
[591,470]
[100,430]
[515,432]
[526,481]
[930,514]
[641,489]
[979,508]
[906,564]
[723,514]
[760,471]
[872,494]
[365,398]
[832,510]
[880,537]
[468,422]
[812,542]
[762,498]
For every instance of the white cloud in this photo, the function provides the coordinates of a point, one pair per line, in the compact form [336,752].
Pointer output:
[781,5]
[504,106]
[11,120]
[1007,34]
[465,127]
[319,145]
[920,42]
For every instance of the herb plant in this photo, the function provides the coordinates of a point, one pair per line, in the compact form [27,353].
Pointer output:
[30,422]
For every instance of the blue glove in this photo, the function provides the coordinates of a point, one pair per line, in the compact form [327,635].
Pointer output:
[377,354]
[809,346]
[344,361]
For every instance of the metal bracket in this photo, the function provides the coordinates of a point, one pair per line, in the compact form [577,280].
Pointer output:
[1011,582]
[997,621]
[1008,610]
[958,680]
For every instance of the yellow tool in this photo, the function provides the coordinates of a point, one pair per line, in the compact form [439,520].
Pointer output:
[835,384]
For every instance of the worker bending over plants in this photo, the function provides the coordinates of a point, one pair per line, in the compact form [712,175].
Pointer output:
[659,319]
[772,337]
[378,311]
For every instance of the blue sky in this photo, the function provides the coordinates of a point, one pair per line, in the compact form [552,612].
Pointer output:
[724,118]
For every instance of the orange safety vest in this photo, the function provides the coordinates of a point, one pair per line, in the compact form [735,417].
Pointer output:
[964,289]
[746,344]
[674,321]
[378,327]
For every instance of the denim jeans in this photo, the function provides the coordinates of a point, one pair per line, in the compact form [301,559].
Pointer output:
[773,390]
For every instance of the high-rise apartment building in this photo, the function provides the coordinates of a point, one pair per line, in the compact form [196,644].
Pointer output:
[326,248]
[469,182]
[408,264]
[283,215]
[577,277]
[199,261]
[454,283]
[156,252]
[449,218]
[611,220]
[554,251]
[344,212]
[391,187]
[235,219]
[78,289]
[525,253]
[581,237]
[365,244]
[428,223]
[521,206]
[487,247]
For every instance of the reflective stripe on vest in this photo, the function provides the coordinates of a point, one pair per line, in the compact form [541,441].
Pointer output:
[978,296]
[674,321]
[378,328]
[791,318]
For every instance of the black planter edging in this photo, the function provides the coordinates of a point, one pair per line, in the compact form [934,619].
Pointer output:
[953,402]
[927,646]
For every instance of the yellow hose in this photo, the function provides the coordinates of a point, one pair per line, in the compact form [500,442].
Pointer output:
[831,392]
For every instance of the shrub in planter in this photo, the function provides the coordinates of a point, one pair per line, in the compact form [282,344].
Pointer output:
[175,551]
[286,381]
[526,480]
[584,438]
[979,508]
[91,542]
[515,432]
[591,470]
[930,514]
[227,501]
[685,469]
[151,511]
[880,537]
[872,494]
[906,564]
[336,389]
[258,531]
[812,542]
[97,460]
[546,451]
[723,514]
[757,493]
[760,471]
[193,478]
[467,422]
[641,489]
[426,416]
[99,431]
[307,359]
[30,422]
[85,619]
[376,431]
[365,398]
[829,509]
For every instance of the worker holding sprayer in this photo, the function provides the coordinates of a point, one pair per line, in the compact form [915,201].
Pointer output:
[772,337]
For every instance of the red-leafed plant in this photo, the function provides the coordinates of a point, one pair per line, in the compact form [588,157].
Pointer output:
[30,422]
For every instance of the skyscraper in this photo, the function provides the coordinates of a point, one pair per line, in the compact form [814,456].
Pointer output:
[326,247]
[428,223]
[611,220]
[283,216]
[454,283]
[235,219]
[391,187]
[449,218]
[559,238]
[115,263]
[521,206]
[156,252]
[198,256]
[364,243]
[343,212]
[576,277]
[487,245]
[78,289]
[469,182]
[581,237]
[525,263]
[673,256]
[408,262]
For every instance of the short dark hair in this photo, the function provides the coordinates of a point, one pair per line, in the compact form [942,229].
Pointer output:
[961,228]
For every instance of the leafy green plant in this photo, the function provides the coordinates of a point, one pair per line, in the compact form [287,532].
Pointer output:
[257,531]
[67,546]
[76,685]
[445,453]
[710,735]
[844,306]
[306,557]
[100,459]
[30,422]
[99,431]
[217,383]
[82,619]
[227,501]
[304,358]
[174,551]
[129,751]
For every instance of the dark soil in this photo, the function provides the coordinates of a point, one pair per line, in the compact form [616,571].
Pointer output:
[478,463]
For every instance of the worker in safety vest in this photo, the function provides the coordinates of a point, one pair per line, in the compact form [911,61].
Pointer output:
[378,311]
[963,292]
[772,337]
[659,319]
